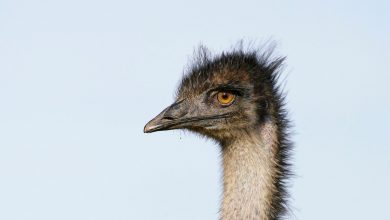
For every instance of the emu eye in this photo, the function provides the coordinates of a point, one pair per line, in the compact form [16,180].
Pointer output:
[225,98]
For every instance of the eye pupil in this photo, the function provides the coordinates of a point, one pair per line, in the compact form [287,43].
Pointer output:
[225,96]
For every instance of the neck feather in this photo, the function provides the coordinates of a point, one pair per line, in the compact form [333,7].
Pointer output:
[251,174]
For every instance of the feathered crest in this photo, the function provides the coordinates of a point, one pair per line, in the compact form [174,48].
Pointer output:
[203,64]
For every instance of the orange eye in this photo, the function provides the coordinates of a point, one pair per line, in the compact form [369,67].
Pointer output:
[225,98]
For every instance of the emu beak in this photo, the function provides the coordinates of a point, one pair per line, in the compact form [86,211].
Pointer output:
[169,118]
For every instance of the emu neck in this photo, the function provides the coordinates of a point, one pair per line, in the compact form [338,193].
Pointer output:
[249,181]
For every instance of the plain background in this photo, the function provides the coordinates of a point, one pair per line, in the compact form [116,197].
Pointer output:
[79,80]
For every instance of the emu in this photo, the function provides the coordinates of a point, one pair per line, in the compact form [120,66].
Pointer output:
[235,99]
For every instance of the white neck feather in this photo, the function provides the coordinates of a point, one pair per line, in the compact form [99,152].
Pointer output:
[249,175]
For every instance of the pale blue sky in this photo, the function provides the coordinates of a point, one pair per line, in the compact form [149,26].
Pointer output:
[79,79]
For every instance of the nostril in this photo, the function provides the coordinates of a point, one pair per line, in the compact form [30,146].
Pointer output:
[168,118]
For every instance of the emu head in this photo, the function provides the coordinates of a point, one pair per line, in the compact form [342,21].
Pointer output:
[223,96]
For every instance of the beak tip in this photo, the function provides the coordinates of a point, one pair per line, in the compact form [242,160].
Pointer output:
[151,127]
[160,122]
[147,128]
